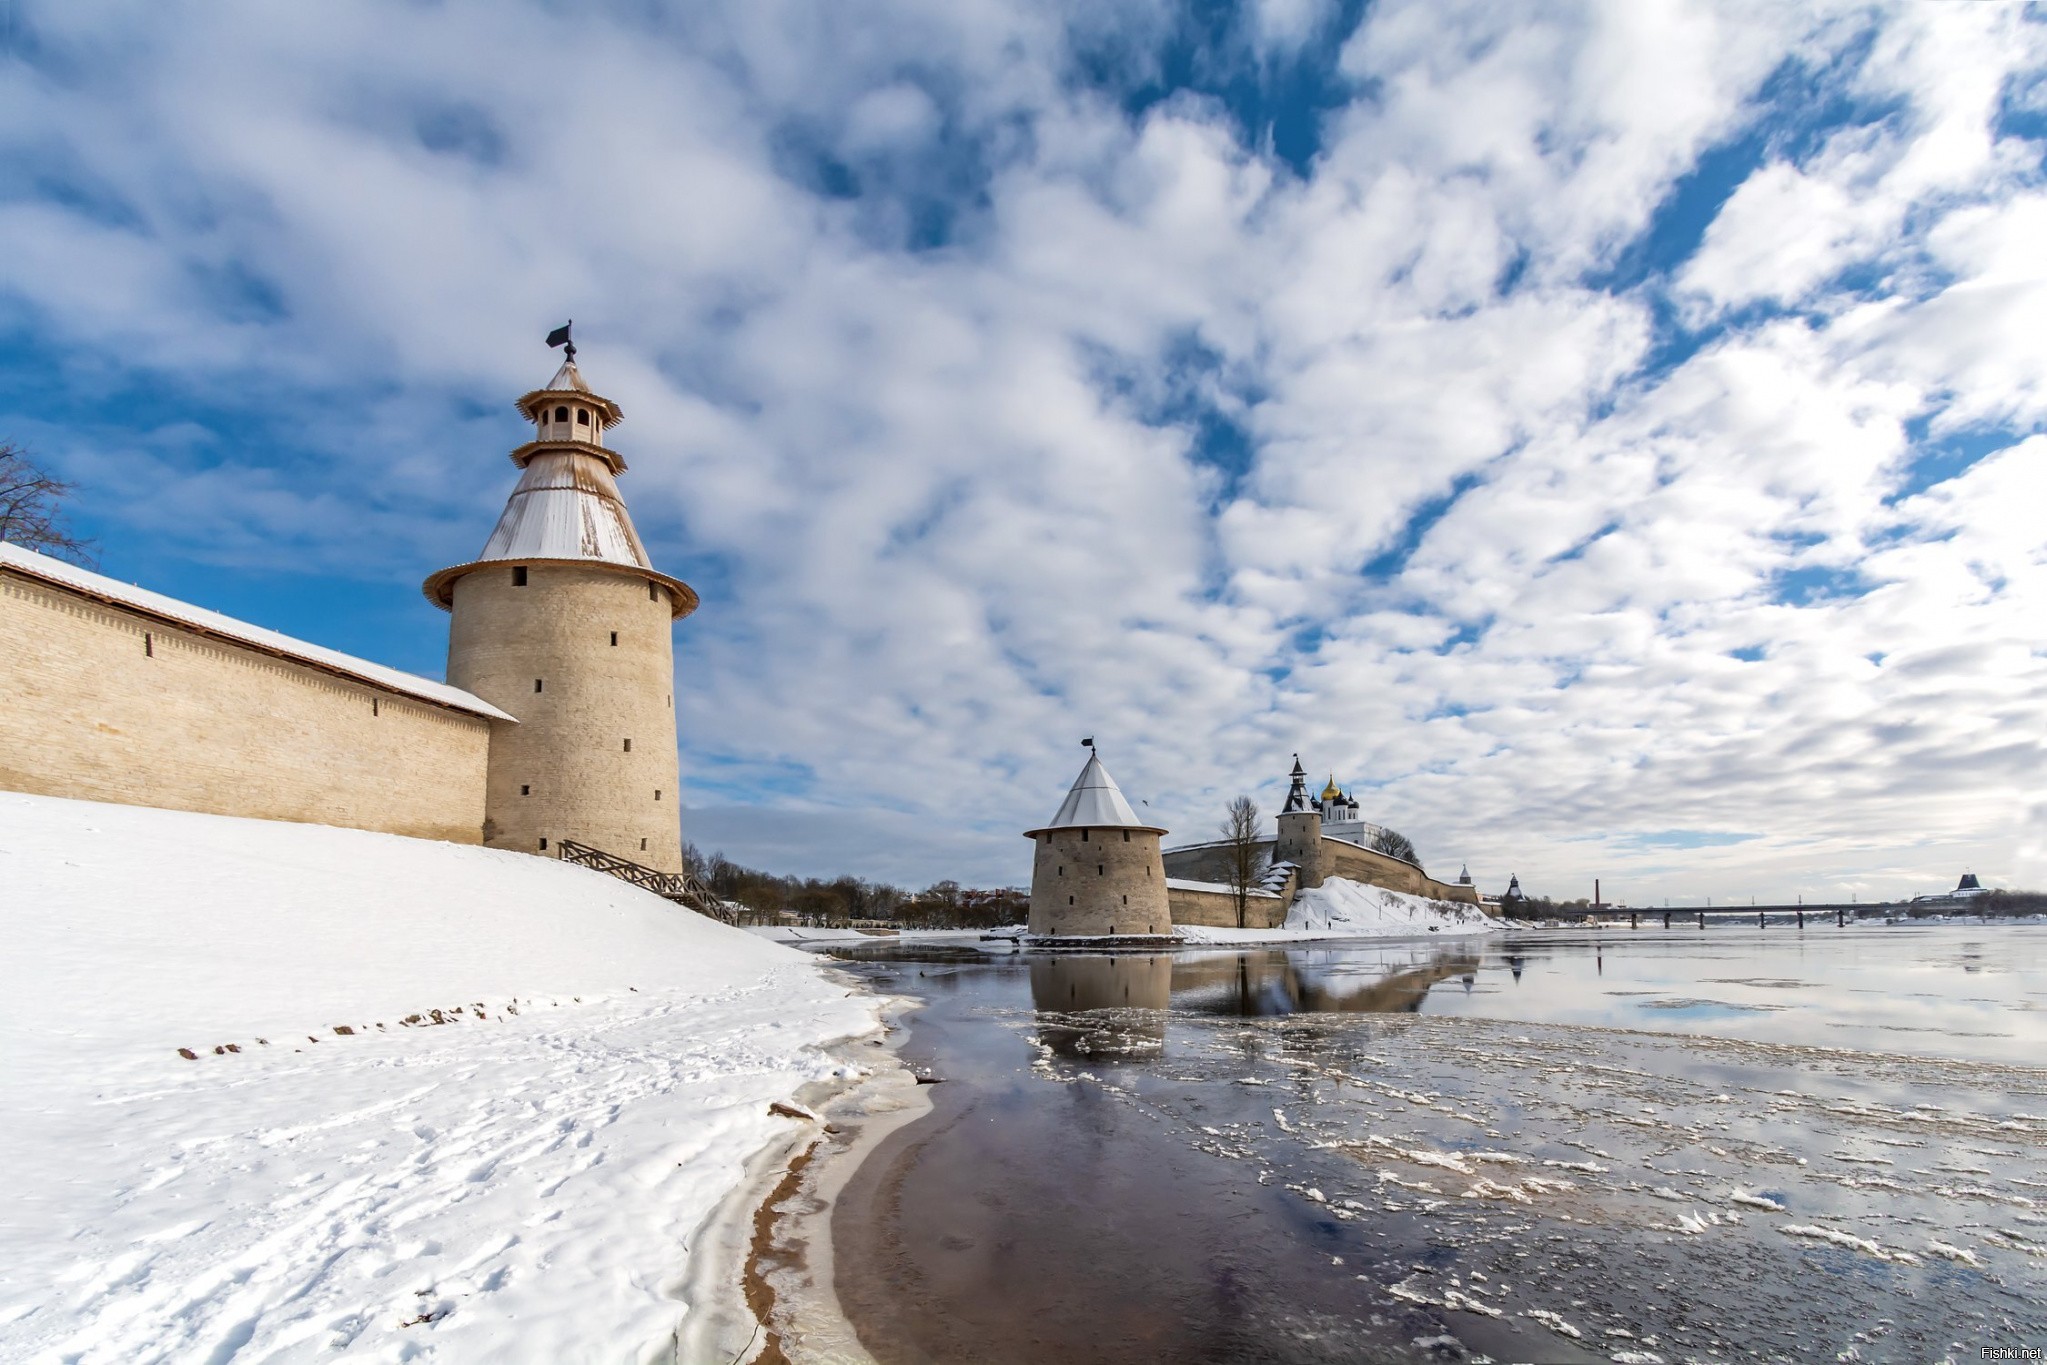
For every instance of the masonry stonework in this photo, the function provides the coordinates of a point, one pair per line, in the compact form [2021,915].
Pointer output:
[583,656]
[106,704]
[1218,909]
[1098,881]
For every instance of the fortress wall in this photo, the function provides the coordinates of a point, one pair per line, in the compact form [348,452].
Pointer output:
[101,703]
[1208,862]
[1218,909]
[1347,860]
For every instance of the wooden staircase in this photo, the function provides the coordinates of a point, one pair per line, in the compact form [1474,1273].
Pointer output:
[679,887]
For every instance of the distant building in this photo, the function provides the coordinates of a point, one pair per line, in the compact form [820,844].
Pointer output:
[1965,892]
[1115,894]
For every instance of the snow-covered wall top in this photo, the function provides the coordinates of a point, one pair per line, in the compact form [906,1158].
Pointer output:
[55,571]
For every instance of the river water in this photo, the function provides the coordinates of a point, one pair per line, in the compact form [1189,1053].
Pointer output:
[1640,1146]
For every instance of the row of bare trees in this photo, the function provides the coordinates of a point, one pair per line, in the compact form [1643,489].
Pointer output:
[842,900]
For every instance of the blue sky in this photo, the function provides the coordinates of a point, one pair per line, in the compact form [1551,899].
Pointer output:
[1608,436]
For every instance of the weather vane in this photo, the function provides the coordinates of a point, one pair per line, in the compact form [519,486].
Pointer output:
[560,337]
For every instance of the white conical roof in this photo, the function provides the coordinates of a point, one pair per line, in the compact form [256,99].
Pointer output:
[1096,802]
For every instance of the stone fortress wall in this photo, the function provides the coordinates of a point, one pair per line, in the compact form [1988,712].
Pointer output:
[583,657]
[101,701]
[1204,905]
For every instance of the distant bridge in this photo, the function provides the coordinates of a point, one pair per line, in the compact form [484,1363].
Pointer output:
[1677,914]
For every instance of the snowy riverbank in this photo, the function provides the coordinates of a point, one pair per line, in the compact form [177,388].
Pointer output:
[465,1105]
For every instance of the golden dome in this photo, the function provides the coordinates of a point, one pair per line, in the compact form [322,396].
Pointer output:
[1332,792]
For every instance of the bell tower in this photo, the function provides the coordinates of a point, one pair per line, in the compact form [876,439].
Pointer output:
[563,622]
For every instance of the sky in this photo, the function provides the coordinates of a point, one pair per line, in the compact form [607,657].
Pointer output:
[1610,439]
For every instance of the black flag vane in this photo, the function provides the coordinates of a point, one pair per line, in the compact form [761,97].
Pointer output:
[560,337]
[1089,741]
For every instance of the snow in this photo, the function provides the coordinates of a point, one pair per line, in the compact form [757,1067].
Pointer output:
[1340,909]
[170,609]
[522,1181]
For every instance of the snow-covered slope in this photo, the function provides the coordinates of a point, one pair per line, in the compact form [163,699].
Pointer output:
[1373,911]
[517,1183]
[1346,909]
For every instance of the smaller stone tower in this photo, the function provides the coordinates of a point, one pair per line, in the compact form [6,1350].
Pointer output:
[1299,837]
[1097,870]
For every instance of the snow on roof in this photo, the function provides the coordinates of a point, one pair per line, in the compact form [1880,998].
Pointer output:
[1095,802]
[29,564]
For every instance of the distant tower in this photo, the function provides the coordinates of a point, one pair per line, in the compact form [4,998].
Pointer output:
[1464,875]
[1097,868]
[563,622]
[1299,836]
[1514,894]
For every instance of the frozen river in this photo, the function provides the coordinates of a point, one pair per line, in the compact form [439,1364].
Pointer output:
[1638,1146]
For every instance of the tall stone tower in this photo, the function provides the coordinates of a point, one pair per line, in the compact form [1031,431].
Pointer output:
[1097,870]
[564,623]
[1298,838]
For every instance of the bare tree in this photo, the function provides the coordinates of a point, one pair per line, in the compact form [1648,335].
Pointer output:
[1242,862]
[32,508]
[1399,845]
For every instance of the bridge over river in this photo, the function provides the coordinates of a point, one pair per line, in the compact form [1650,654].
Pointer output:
[1678,914]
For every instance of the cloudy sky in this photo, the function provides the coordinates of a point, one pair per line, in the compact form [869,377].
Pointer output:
[1610,437]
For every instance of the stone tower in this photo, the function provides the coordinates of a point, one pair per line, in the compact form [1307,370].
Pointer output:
[564,623]
[1298,838]
[1097,869]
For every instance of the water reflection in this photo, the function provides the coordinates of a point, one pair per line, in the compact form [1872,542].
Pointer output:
[1106,1006]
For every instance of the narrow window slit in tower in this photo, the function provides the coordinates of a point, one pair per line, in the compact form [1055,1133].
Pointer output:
[643,845]
[519,576]
[1101,870]
[1083,836]
[525,789]
[543,845]
[536,684]
[653,592]
[1126,900]
[148,645]
[657,793]
[614,639]
[376,707]
[1126,836]
[628,746]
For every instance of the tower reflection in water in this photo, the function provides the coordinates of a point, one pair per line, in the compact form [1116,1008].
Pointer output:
[1102,1007]
[1108,1006]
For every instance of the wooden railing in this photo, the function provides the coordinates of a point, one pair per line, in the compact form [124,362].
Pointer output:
[679,887]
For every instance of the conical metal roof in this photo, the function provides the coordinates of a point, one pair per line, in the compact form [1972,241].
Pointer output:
[1095,802]
[567,507]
